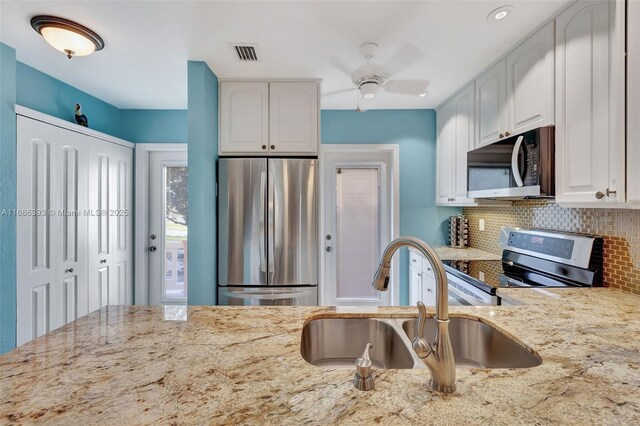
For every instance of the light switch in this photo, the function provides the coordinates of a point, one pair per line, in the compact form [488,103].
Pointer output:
[481,224]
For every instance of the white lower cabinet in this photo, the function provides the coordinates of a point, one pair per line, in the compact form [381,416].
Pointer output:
[422,283]
[69,185]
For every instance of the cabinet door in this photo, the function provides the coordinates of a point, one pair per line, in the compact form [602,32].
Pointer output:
[530,82]
[120,289]
[490,104]
[445,155]
[293,118]
[464,118]
[633,103]
[244,118]
[415,285]
[583,146]
[428,290]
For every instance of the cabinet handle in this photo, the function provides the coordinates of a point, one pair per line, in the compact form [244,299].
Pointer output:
[103,260]
[599,195]
[507,134]
[68,271]
[609,192]
[273,147]
[264,147]
[420,274]
[428,290]
[501,135]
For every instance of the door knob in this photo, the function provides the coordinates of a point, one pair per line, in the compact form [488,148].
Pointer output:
[153,248]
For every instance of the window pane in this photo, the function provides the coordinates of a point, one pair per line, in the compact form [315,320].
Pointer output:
[175,259]
[358,231]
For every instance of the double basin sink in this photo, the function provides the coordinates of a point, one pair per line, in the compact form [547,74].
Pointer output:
[337,342]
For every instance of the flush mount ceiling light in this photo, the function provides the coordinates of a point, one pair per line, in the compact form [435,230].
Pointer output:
[67,36]
[500,13]
[369,89]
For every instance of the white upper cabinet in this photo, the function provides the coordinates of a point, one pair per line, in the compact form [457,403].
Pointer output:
[530,83]
[633,103]
[445,155]
[244,117]
[588,150]
[491,98]
[269,118]
[293,120]
[456,129]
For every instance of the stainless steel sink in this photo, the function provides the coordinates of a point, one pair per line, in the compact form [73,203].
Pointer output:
[337,342]
[479,345]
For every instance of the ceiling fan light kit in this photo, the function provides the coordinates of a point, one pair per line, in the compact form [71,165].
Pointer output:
[67,36]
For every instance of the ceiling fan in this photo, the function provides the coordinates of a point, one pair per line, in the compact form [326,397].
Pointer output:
[370,78]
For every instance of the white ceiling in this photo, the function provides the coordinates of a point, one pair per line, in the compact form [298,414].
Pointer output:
[148,43]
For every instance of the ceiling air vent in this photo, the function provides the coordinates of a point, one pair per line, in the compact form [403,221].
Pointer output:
[246,52]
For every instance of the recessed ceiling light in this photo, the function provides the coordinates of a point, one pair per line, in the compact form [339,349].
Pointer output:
[67,36]
[500,13]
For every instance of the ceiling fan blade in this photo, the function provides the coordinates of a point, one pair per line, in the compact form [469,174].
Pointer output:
[339,64]
[403,58]
[337,92]
[407,87]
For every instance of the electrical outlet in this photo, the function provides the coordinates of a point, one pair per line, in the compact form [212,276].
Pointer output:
[481,276]
[481,224]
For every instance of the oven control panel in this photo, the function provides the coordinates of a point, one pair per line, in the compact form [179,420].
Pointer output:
[543,244]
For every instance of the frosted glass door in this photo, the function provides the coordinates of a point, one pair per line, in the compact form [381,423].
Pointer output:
[357,234]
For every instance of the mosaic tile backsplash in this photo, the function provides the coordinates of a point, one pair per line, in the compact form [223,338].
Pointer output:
[619,228]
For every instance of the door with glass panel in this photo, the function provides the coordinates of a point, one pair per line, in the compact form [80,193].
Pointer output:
[357,227]
[168,228]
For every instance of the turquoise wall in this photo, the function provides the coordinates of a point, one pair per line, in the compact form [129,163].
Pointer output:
[153,126]
[7,198]
[203,153]
[415,133]
[41,92]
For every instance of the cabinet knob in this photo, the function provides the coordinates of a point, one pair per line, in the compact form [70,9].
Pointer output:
[68,271]
[273,147]
[103,260]
[420,274]
[599,195]
[264,147]
[428,290]
[501,135]
[507,134]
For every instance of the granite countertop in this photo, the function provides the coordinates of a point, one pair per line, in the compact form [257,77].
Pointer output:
[236,364]
[450,253]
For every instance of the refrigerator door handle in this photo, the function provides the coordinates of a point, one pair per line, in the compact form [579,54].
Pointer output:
[271,224]
[263,248]
[259,296]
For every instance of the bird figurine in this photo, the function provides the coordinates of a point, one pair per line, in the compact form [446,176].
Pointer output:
[81,119]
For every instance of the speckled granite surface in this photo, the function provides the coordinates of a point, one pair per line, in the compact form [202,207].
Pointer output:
[226,365]
[450,253]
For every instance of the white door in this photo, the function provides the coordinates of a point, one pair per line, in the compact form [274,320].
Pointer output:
[445,155]
[531,82]
[358,211]
[51,229]
[491,96]
[582,104]
[167,239]
[293,118]
[244,117]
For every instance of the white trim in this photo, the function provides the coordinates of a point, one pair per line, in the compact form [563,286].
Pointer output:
[141,214]
[394,150]
[54,121]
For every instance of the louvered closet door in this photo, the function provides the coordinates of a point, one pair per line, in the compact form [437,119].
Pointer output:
[51,235]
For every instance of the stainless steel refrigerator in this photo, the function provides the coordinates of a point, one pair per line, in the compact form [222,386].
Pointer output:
[267,231]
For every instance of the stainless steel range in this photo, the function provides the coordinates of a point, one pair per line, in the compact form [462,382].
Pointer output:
[530,258]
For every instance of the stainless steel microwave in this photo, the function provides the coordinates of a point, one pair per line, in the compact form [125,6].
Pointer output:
[518,167]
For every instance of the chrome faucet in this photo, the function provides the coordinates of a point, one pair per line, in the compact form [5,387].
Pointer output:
[437,356]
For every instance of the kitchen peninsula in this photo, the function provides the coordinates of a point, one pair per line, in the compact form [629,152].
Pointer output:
[235,364]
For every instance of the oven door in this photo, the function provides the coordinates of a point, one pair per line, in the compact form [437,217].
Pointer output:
[462,293]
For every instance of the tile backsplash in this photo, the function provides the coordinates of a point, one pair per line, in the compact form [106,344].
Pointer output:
[619,228]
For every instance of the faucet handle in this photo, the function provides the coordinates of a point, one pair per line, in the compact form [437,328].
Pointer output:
[420,344]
